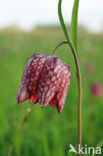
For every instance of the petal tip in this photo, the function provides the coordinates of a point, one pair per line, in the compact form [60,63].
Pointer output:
[59,111]
[22,95]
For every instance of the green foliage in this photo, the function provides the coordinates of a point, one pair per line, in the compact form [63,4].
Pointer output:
[74,23]
[62,21]
[47,133]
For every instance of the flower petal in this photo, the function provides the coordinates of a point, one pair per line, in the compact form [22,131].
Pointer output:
[47,87]
[22,94]
[34,98]
[52,75]
[61,97]
[53,102]
[63,88]
[30,76]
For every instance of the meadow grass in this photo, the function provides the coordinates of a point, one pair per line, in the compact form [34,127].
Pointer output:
[47,133]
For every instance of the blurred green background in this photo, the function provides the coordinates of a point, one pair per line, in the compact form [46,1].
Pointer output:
[44,132]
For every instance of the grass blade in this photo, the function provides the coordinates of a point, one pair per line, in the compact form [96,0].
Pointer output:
[63,24]
[62,20]
[74,23]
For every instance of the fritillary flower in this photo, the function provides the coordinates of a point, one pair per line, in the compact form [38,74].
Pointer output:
[97,90]
[46,80]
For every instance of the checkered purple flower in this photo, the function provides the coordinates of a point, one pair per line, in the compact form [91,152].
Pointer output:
[45,79]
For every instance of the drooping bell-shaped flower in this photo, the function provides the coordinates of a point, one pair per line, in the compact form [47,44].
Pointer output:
[97,90]
[45,80]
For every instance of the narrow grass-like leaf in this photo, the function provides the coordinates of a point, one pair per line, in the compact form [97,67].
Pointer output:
[74,23]
[62,23]
[62,20]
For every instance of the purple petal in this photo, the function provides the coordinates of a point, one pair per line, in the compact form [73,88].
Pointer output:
[48,81]
[34,98]
[63,88]
[30,76]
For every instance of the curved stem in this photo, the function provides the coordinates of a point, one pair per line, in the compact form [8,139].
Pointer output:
[60,44]
[79,88]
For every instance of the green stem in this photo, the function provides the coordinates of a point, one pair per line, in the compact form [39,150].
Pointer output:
[78,72]
[79,89]
[60,44]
